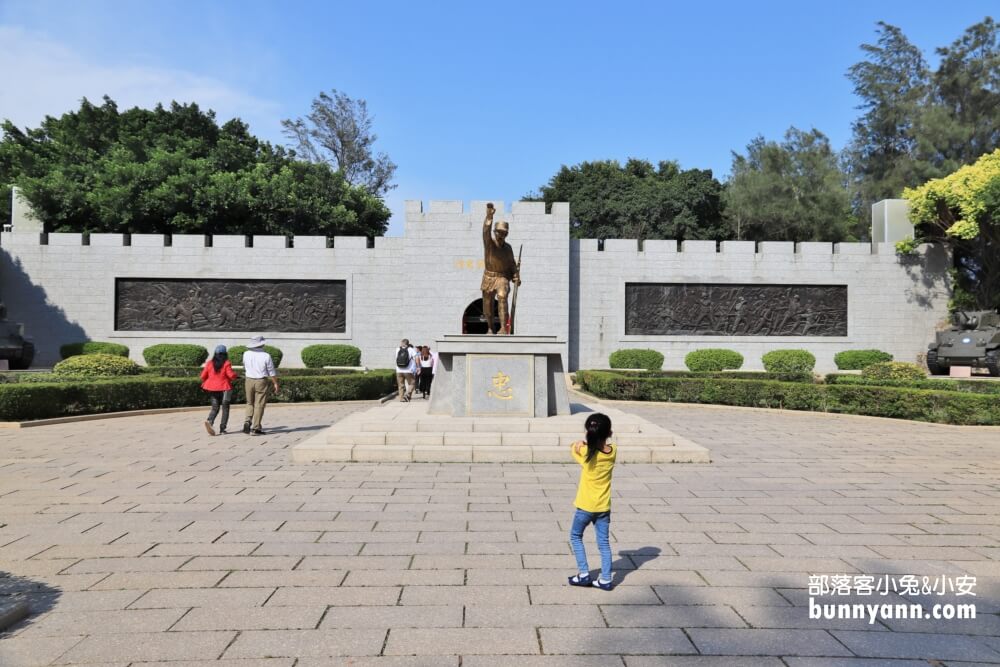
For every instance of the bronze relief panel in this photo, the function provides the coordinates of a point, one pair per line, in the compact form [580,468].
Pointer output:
[289,306]
[720,309]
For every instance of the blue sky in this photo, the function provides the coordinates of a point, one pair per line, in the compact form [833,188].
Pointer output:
[475,100]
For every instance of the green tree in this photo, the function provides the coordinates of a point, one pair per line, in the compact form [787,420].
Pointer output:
[962,212]
[338,131]
[637,200]
[961,120]
[893,84]
[792,191]
[175,170]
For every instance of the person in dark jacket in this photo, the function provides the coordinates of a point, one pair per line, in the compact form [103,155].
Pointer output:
[217,379]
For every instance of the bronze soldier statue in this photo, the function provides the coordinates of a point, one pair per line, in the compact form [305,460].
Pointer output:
[500,269]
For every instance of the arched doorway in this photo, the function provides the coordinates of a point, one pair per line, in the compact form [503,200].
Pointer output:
[473,320]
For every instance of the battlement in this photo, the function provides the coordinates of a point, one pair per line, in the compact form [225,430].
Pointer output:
[187,241]
[438,209]
[735,249]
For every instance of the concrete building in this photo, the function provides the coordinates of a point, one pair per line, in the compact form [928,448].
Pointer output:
[64,287]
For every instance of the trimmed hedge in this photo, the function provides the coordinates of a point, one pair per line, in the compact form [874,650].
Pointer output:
[966,386]
[92,347]
[736,375]
[788,361]
[876,401]
[236,354]
[894,370]
[713,359]
[175,354]
[96,365]
[317,356]
[195,371]
[856,360]
[651,360]
[58,399]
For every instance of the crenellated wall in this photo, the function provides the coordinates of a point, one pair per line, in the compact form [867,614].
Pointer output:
[894,304]
[419,285]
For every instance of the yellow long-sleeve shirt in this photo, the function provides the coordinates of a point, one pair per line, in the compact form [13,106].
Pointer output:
[594,492]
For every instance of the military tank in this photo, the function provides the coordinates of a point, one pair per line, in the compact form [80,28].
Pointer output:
[973,340]
[14,347]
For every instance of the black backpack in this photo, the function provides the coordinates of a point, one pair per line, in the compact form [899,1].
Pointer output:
[402,358]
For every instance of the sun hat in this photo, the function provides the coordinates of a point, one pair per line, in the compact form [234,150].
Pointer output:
[220,349]
[255,342]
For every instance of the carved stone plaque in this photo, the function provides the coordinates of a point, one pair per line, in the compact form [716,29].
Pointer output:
[718,309]
[500,384]
[292,306]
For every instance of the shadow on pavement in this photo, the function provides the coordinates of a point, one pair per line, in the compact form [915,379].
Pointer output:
[21,598]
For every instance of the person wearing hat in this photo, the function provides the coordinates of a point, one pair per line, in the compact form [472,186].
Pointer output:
[217,379]
[259,368]
[500,269]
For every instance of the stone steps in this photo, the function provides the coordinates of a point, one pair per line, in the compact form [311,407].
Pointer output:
[404,433]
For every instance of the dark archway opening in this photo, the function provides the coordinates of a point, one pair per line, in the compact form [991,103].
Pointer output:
[474,321]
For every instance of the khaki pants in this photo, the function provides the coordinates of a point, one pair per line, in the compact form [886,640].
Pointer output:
[404,384]
[257,391]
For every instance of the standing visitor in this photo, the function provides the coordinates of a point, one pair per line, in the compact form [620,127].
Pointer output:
[406,369]
[217,379]
[259,368]
[596,457]
[426,370]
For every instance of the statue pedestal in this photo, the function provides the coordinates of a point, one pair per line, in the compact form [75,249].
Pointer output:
[499,376]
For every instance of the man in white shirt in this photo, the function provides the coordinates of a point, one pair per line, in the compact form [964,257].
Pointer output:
[405,373]
[259,368]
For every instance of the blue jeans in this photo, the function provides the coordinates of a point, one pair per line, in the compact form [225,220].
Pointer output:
[602,523]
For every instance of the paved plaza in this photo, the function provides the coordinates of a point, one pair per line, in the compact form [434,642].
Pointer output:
[142,540]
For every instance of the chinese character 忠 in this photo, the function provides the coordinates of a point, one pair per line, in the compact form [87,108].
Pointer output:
[501,387]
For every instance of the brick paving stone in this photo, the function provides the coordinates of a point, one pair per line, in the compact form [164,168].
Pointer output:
[405,578]
[430,616]
[701,661]
[147,646]
[388,661]
[251,618]
[102,622]
[513,596]
[574,595]
[685,595]
[461,641]
[306,643]
[615,641]
[672,616]
[202,597]
[917,645]
[32,651]
[768,642]
[282,579]
[551,616]
[264,662]
[855,662]
[339,596]
[544,661]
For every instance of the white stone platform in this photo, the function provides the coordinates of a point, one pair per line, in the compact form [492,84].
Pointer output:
[405,432]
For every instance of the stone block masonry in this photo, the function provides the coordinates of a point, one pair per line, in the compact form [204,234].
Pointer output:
[62,286]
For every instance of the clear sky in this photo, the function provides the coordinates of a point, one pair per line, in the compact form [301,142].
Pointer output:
[475,100]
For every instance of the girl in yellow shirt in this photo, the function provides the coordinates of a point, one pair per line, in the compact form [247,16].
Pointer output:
[596,457]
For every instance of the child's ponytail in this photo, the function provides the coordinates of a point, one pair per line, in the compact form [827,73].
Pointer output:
[598,427]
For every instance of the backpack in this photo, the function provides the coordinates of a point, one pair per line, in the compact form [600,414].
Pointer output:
[402,358]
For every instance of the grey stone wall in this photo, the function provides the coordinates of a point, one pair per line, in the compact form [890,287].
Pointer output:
[893,303]
[418,286]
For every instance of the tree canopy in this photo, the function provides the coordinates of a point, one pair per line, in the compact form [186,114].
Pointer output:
[962,211]
[637,200]
[792,191]
[918,124]
[338,131]
[174,170]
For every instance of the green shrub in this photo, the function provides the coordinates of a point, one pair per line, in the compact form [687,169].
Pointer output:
[317,356]
[96,365]
[789,361]
[175,354]
[902,403]
[965,386]
[195,371]
[894,370]
[236,354]
[24,401]
[713,359]
[92,347]
[651,360]
[856,360]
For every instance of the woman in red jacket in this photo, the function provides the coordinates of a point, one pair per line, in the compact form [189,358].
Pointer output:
[217,379]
